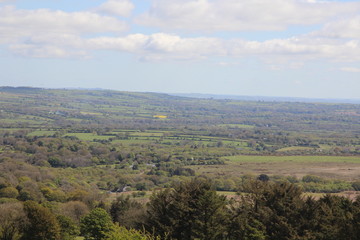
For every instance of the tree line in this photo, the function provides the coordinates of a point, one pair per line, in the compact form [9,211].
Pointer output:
[193,210]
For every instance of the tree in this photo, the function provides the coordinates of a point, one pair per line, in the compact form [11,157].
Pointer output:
[280,207]
[9,192]
[159,218]
[356,219]
[96,225]
[356,185]
[42,224]
[121,233]
[335,219]
[11,221]
[242,221]
[263,177]
[69,230]
[127,212]
[273,205]
[190,210]
[74,209]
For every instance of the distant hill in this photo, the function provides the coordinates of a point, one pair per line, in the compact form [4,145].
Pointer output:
[267,99]
[25,107]
[20,89]
[33,90]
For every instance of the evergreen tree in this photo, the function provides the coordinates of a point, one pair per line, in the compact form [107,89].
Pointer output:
[282,202]
[273,206]
[356,220]
[242,222]
[335,219]
[159,219]
[192,210]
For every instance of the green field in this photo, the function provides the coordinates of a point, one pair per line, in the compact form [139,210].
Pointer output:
[88,136]
[41,133]
[147,134]
[294,148]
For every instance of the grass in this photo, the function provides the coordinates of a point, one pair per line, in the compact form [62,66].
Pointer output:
[147,134]
[226,193]
[19,121]
[88,136]
[298,159]
[294,148]
[74,119]
[236,143]
[330,167]
[236,125]
[41,133]
[132,141]
[91,113]
[11,129]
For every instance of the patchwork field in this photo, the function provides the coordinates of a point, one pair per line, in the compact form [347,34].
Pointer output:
[150,140]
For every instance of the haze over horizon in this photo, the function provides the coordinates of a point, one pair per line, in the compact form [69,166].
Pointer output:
[281,48]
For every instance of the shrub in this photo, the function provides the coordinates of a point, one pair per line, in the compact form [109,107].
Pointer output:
[356,185]
[312,178]
[9,192]
[121,233]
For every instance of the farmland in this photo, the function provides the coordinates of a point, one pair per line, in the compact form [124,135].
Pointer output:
[331,167]
[211,137]
[154,140]
[79,150]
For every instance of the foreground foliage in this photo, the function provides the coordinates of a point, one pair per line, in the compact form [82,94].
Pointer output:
[271,211]
[193,210]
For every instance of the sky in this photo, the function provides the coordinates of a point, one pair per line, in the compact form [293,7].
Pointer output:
[284,48]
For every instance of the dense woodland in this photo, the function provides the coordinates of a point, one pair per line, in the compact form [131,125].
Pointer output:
[190,210]
[98,164]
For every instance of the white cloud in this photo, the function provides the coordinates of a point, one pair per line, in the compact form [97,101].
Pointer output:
[45,51]
[15,23]
[348,27]
[132,43]
[161,46]
[43,32]
[117,7]
[350,69]
[292,51]
[235,15]
[51,45]
[49,33]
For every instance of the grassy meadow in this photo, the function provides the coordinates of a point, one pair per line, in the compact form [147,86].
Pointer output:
[333,167]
